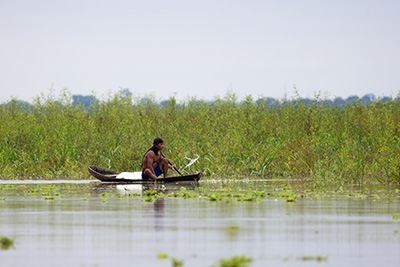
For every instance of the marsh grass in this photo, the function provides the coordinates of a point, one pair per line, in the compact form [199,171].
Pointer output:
[55,139]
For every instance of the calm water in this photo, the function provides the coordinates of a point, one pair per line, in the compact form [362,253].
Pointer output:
[80,227]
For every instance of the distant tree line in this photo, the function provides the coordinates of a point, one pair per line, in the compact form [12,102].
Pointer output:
[86,101]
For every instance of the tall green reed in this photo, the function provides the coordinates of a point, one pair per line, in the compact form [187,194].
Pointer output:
[232,138]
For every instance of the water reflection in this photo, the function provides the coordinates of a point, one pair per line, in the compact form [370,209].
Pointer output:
[158,206]
[82,228]
[125,189]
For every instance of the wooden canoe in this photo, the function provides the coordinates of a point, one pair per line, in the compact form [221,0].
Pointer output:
[110,176]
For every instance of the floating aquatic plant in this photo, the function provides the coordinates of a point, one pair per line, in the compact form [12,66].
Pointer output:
[310,258]
[150,192]
[149,199]
[107,195]
[237,261]
[176,262]
[6,243]
[162,256]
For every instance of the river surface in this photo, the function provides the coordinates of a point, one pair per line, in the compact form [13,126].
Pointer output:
[67,223]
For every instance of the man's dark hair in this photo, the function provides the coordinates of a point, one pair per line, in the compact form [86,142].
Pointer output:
[157,141]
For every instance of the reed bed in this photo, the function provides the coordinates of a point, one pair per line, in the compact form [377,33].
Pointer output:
[54,139]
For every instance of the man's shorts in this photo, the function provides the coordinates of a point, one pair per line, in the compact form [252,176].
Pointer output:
[157,171]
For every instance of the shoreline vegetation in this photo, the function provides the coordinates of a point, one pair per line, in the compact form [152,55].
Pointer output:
[323,140]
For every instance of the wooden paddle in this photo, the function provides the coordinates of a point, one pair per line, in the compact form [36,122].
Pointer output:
[169,162]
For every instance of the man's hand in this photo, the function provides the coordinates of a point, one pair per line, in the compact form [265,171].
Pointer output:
[172,167]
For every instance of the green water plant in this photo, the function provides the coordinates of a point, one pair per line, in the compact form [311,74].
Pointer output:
[233,228]
[135,194]
[6,243]
[286,194]
[162,256]
[150,192]
[176,262]
[149,199]
[312,258]
[236,261]
[107,195]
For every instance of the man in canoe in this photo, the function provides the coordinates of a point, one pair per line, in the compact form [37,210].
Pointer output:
[154,164]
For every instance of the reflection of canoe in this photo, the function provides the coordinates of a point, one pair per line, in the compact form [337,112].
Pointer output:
[109,176]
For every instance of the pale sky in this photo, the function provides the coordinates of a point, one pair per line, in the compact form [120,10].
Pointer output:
[201,49]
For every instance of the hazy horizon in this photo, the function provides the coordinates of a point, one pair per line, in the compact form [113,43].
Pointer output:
[200,49]
[57,96]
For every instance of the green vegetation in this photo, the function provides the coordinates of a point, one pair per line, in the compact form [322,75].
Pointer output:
[151,196]
[176,262]
[6,243]
[233,228]
[54,139]
[308,258]
[162,256]
[237,261]
[220,193]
